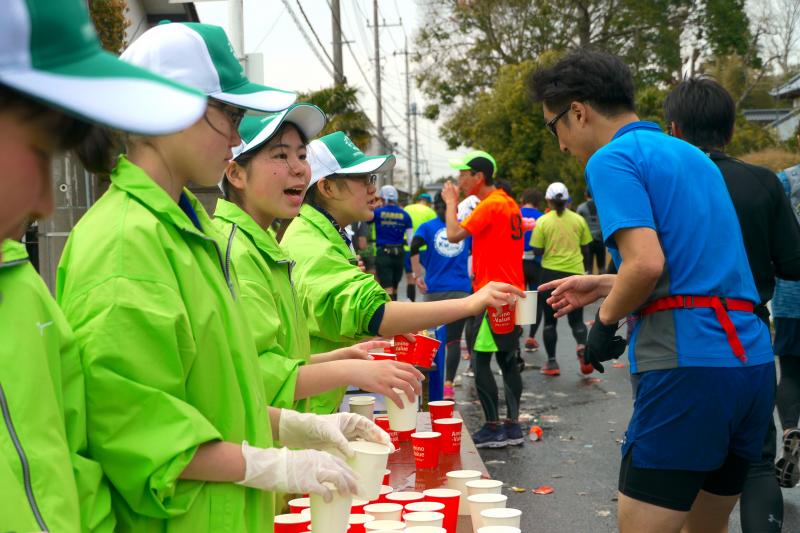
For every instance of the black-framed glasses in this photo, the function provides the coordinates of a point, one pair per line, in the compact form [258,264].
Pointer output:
[366,179]
[234,118]
[551,124]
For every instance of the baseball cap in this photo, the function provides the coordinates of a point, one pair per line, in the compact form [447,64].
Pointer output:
[256,130]
[388,193]
[201,56]
[556,191]
[425,196]
[49,50]
[477,160]
[335,153]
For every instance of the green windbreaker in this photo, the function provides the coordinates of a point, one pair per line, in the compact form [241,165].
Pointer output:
[339,300]
[46,479]
[169,362]
[269,302]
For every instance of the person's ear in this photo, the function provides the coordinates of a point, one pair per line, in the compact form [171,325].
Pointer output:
[675,129]
[236,174]
[580,110]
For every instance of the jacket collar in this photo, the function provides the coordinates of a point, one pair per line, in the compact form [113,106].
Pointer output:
[13,253]
[131,179]
[323,224]
[264,240]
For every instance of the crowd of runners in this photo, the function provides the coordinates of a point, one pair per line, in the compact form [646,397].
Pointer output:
[190,369]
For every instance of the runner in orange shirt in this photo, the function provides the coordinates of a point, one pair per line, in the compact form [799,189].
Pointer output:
[495,226]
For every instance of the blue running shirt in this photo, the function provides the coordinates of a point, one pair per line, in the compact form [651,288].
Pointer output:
[391,223]
[445,262]
[645,178]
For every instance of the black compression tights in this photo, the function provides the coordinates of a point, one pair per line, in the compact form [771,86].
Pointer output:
[453,348]
[787,397]
[487,387]
[549,334]
[761,502]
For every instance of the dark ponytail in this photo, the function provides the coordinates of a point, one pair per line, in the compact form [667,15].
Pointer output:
[559,205]
[99,150]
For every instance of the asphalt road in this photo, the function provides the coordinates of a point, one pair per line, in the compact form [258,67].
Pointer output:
[583,421]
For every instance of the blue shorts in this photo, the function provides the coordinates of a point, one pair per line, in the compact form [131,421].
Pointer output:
[691,418]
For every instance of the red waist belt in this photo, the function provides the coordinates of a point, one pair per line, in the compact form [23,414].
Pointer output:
[721,306]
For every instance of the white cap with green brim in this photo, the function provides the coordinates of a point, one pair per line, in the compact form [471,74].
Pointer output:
[335,153]
[255,131]
[49,50]
[201,56]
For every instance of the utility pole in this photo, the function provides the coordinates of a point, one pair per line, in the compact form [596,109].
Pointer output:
[336,21]
[236,29]
[411,184]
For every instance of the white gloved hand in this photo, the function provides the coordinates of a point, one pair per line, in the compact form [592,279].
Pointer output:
[328,432]
[296,471]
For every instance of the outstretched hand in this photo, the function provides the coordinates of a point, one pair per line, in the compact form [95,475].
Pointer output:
[573,293]
[494,294]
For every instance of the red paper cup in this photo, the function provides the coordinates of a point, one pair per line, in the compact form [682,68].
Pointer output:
[384,356]
[387,474]
[450,428]
[425,350]
[405,436]
[502,322]
[441,409]
[426,449]
[291,523]
[450,499]
[403,349]
[383,423]
[388,349]
[298,504]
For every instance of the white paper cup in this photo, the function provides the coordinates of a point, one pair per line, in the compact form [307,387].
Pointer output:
[457,479]
[362,405]
[369,463]
[330,517]
[484,486]
[306,512]
[405,497]
[499,529]
[423,519]
[388,525]
[425,529]
[360,519]
[481,502]
[501,517]
[526,308]
[425,507]
[402,418]
[291,519]
[385,511]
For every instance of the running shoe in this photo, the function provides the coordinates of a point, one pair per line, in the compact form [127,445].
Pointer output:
[468,373]
[531,345]
[514,434]
[550,368]
[786,468]
[490,436]
[449,392]
[586,368]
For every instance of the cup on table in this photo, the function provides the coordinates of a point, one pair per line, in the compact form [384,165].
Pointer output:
[423,519]
[450,498]
[405,497]
[424,507]
[384,525]
[362,405]
[385,511]
[441,409]
[356,522]
[387,476]
[450,428]
[383,356]
[357,507]
[330,517]
[368,463]
[502,321]
[298,504]
[427,445]
[425,529]
[502,516]
[499,529]
[525,312]
[481,502]
[402,418]
[307,512]
[291,523]
[384,491]
[405,436]
[457,479]
[484,486]
[383,423]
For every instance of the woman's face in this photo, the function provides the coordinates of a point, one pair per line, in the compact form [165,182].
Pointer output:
[356,195]
[274,182]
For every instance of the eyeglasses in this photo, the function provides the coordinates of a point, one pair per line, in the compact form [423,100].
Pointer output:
[234,118]
[551,124]
[366,179]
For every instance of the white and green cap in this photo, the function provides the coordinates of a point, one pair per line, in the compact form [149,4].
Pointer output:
[255,131]
[335,153]
[49,50]
[201,56]
[477,160]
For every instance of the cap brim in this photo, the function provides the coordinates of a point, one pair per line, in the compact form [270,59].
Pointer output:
[370,164]
[257,98]
[106,90]
[458,164]
[308,117]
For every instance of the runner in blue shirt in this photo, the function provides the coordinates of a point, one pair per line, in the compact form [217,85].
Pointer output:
[446,276]
[392,228]
[531,263]
[702,357]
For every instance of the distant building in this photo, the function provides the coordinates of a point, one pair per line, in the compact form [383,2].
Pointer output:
[786,125]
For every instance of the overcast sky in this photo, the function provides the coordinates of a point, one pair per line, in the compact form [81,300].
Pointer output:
[290,63]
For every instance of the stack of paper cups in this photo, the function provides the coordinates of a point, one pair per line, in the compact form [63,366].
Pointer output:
[457,479]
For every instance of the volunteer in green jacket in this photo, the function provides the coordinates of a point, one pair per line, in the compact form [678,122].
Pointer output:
[55,81]
[266,181]
[176,410]
[342,303]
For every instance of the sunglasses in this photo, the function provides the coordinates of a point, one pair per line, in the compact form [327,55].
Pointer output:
[551,124]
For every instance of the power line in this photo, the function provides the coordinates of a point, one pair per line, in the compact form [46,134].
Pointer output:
[307,38]
[311,27]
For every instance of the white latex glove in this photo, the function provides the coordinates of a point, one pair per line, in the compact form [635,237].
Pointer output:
[328,432]
[295,471]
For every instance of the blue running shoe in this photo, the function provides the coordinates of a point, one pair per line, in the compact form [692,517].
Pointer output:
[490,436]
[514,434]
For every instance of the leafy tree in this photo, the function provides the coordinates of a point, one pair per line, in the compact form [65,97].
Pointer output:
[109,18]
[340,103]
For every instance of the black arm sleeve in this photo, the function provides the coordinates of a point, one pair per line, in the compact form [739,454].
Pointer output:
[416,243]
[537,251]
[375,322]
